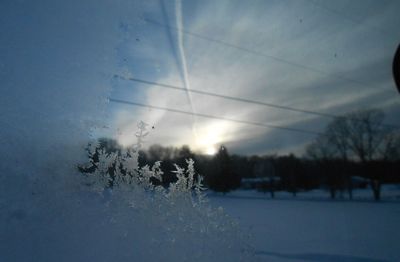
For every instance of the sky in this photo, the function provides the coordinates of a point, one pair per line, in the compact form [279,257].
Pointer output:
[322,56]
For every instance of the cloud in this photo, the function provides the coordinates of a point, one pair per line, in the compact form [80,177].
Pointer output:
[289,55]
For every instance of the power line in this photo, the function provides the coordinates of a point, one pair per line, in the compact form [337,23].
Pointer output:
[244,100]
[259,53]
[215,117]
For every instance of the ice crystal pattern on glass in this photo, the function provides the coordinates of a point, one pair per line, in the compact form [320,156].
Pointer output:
[178,218]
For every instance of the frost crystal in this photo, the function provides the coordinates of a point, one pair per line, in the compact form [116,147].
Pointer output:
[177,217]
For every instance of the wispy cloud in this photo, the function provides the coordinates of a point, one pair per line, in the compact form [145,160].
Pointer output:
[288,53]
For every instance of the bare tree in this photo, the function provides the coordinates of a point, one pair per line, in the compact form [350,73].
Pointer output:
[337,137]
[365,133]
[320,149]
[390,149]
[324,152]
[361,136]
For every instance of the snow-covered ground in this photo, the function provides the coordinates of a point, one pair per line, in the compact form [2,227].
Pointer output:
[313,228]
[309,227]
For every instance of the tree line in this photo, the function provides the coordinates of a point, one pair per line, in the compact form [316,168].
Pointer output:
[355,150]
[359,139]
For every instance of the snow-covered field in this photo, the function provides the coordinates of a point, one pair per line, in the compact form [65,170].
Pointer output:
[315,228]
[307,228]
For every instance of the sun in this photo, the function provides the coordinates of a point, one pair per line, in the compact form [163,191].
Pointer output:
[210,136]
[211,150]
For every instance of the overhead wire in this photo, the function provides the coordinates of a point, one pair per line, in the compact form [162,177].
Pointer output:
[298,130]
[243,100]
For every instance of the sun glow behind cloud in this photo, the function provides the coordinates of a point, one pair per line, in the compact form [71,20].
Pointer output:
[211,135]
[285,30]
[207,137]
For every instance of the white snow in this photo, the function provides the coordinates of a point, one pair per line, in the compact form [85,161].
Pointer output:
[81,226]
[313,228]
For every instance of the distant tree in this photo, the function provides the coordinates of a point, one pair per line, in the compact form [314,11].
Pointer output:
[221,177]
[390,149]
[365,133]
[320,149]
[290,170]
[336,136]
[366,137]
[359,135]
[241,165]
[158,153]
[324,151]
[168,157]
[183,153]
[264,168]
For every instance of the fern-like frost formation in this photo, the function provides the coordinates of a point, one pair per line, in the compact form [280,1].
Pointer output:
[157,223]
